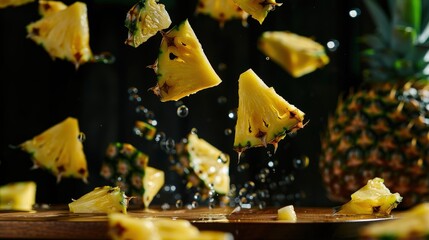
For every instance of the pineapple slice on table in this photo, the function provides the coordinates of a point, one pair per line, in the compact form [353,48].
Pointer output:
[104,199]
[121,227]
[287,213]
[14,3]
[297,54]
[182,68]
[263,116]
[373,198]
[64,34]
[258,9]
[59,150]
[222,11]
[409,224]
[145,19]
[19,196]
[47,7]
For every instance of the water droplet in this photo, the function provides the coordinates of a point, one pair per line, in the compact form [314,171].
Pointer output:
[179,203]
[223,158]
[197,196]
[132,90]
[232,114]
[165,206]
[333,45]
[194,204]
[242,167]
[228,131]
[301,162]
[262,205]
[249,185]
[104,57]
[81,137]
[222,66]
[354,12]
[182,111]
[135,98]
[242,192]
[168,145]
[160,136]
[267,58]
[222,100]
[141,109]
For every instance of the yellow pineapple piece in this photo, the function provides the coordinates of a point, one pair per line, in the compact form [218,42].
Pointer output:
[144,20]
[105,199]
[20,196]
[373,198]
[221,10]
[153,180]
[64,34]
[13,3]
[182,67]
[59,150]
[258,9]
[287,213]
[263,116]
[47,7]
[298,55]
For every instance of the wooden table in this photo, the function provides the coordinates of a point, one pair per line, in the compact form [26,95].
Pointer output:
[312,223]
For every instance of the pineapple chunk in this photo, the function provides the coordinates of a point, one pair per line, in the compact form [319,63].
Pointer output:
[263,116]
[13,3]
[287,213]
[121,227]
[298,55]
[59,150]
[20,196]
[373,198]
[47,7]
[410,224]
[153,180]
[221,10]
[64,34]
[258,9]
[105,199]
[144,20]
[182,67]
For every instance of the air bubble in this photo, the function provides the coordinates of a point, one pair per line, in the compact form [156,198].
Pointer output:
[228,131]
[267,58]
[333,45]
[242,167]
[81,137]
[135,98]
[160,137]
[354,12]
[133,90]
[179,203]
[222,100]
[301,162]
[182,111]
[232,114]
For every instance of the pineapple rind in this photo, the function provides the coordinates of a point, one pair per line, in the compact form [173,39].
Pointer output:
[19,196]
[182,67]
[258,9]
[104,199]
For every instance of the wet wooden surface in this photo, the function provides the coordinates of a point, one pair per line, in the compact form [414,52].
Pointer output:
[312,223]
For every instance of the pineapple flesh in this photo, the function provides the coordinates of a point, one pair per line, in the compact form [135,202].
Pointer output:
[297,54]
[222,11]
[59,150]
[18,196]
[47,7]
[14,3]
[258,9]
[182,67]
[144,20]
[104,199]
[287,213]
[263,116]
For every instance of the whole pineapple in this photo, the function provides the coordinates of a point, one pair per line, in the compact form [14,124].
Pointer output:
[382,129]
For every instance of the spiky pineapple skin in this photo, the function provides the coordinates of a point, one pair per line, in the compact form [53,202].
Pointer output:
[381,130]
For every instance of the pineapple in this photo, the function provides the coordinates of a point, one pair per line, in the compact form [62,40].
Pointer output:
[182,68]
[19,196]
[382,129]
[47,7]
[104,199]
[287,213]
[145,129]
[64,34]
[297,54]
[59,150]
[127,168]
[222,11]
[121,226]
[263,116]
[144,20]
[373,198]
[14,3]
[409,224]
[258,9]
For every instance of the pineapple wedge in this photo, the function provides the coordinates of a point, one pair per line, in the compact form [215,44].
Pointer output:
[287,213]
[105,199]
[373,198]
[263,116]
[20,196]
[221,10]
[47,7]
[258,9]
[13,3]
[144,20]
[182,67]
[59,150]
[153,180]
[298,55]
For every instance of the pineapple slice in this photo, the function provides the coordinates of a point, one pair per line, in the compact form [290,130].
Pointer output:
[47,7]
[64,34]
[20,196]
[153,180]
[105,199]
[296,54]
[222,11]
[373,198]
[410,224]
[59,150]
[263,116]
[13,3]
[287,213]
[258,9]
[182,67]
[121,226]
[144,20]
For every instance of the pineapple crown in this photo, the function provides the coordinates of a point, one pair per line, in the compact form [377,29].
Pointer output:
[399,48]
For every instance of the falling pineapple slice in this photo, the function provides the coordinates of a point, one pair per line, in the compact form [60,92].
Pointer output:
[19,196]
[373,198]
[258,9]
[121,227]
[64,34]
[153,180]
[59,150]
[144,20]
[263,116]
[105,199]
[410,224]
[296,54]
[13,3]
[182,68]
[222,11]
[47,7]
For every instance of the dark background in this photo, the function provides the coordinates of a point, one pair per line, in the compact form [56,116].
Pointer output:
[38,92]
